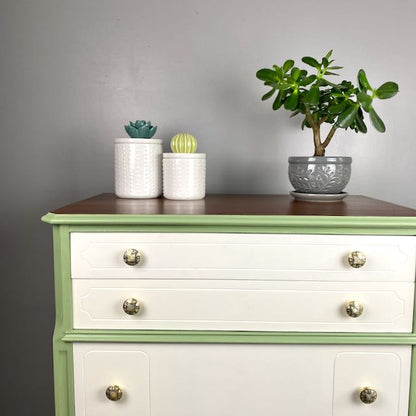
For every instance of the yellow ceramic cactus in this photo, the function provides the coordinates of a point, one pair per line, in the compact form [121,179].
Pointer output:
[183,143]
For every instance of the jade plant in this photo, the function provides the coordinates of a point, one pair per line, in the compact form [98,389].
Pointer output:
[319,101]
[183,143]
[140,129]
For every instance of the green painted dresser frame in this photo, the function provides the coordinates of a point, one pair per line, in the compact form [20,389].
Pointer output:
[277,214]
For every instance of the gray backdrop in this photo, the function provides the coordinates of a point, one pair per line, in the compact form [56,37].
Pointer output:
[72,72]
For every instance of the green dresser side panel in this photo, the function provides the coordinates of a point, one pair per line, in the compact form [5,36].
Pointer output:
[63,358]
[65,335]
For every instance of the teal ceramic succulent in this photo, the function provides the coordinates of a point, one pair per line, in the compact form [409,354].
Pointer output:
[140,129]
[183,143]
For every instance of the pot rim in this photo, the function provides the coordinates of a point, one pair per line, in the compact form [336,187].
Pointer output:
[184,155]
[320,159]
[138,141]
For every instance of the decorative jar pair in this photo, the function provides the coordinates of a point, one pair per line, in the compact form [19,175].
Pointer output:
[140,164]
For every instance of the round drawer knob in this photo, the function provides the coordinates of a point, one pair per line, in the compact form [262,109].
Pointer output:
[354,309]
[114,393]
[356,259]
[368,395]
[132,257]
[131,306]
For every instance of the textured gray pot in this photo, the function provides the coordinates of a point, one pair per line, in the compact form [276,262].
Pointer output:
[319,175]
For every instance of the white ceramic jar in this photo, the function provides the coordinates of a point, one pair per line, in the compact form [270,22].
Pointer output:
[138,168]
[184,175]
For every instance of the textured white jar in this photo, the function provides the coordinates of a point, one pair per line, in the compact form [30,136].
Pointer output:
[138,168]
[184,175]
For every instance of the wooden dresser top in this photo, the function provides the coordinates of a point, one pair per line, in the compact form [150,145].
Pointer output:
[240,205]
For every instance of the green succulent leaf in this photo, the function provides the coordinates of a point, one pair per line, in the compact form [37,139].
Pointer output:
[311,61]
[283,86]
[331,73]
[307,80]
[346,118]
[266,74]
[277,103]
[330,118]
[295,73]
[328,55]
[335,67]
[312,96]
[288,65]
[303,124]
[268,94]
[377,121]
[359,122]
[292,101]
[337,108]
[365,100]
[387,90]
[325,82]
[363,81]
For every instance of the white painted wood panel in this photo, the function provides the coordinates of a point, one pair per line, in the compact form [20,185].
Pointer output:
[99,368]
[379,370]
[243,305]
[240,379]
[240,256]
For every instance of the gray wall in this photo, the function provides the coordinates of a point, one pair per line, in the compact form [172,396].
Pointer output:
[72,72]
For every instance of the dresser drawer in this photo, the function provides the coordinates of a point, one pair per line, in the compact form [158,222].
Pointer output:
[238,379]
[239,256]
[243,305]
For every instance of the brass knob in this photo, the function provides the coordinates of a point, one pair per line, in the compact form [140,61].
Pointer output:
[356,259]
[368,395]
[114,393]
[354,309]
[132,257]
[131,306]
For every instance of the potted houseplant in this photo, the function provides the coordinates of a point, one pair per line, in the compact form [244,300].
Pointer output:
[184,170]
[138,162]
[320,101]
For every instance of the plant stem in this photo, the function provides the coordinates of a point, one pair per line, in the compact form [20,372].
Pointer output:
[316,128]
[329,137]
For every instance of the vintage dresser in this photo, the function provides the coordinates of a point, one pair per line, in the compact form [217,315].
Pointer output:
[234,305]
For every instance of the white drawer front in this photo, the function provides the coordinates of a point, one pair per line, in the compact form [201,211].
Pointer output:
[244,380]
[239,256]
[366,369]
[243,305]
[105,367]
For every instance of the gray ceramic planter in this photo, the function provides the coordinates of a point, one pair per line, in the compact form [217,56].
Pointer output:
[319,175]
